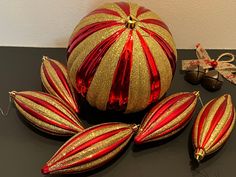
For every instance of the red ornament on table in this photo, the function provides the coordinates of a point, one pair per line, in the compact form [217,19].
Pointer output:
[55,80]
[213,126]
[167,118]
[119,54]
[47,113]
[90,149]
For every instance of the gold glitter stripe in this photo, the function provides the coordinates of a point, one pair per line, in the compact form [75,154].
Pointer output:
[56,81]
[99,90]
[223,139]
[45,112]
[134,9]
[95,18]
[139,87]
[74,53]
[95,163]
[92,150]
[196,125]
[60,105]
[197,139]
[162,62]
[85,47]
[175,121]
[114,7]
[149,15]
[70,98]
[220,124]
[53,102]
[162,32]
[169,134]
[85,138]
[40,124]
[153,110]
[45,83]
[208,119]
[168,113]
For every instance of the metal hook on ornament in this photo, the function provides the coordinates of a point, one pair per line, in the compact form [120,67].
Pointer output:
[5,113]
[197,93]
[200,99]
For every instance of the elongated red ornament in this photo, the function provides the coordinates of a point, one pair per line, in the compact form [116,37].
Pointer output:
[55,80]
[47,113]
[213,126]
[167,117]
[90,149]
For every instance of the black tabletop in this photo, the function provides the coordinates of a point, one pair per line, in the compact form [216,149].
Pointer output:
[24,150]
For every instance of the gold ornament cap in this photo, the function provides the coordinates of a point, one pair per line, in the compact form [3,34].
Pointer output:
[199,154]
[130,22]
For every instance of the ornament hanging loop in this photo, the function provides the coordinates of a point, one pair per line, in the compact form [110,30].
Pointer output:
[5,113]
[231,59]
[197,93]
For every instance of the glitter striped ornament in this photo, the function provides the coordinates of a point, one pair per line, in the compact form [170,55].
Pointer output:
[90,149]
[119,54]
[55,80]
[47,113]
[167,117]
[213,126]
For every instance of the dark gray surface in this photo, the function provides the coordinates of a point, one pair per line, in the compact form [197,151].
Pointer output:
[23,150]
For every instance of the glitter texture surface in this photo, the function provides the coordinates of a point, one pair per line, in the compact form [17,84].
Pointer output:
[47,113]
[167,118]
[55,79]
[149,76]
[90,148]
[213,127]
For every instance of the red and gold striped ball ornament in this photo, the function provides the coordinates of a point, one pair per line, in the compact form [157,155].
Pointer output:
[121,57]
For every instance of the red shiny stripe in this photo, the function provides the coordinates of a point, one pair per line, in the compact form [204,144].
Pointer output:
[202,119]
[55,98]
[90,64]
[177,126]
[141,11]
[218,115]
[165,47]
[104,11]
[156,22]
[154,74]
[225,128]
[98,154]
[48,106]
[83,134]
[125,7]
[47,131]
[89,143]
[163,108]
[65,83]
[119,92]
[61,76]
[86,31]
[42,118]
[172,116]
[51,83]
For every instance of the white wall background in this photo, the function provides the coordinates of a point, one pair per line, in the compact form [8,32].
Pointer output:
[48,23]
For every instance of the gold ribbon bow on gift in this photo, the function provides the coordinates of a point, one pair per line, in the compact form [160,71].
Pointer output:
[224,67]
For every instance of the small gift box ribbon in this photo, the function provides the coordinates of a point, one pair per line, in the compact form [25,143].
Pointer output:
[222,65]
